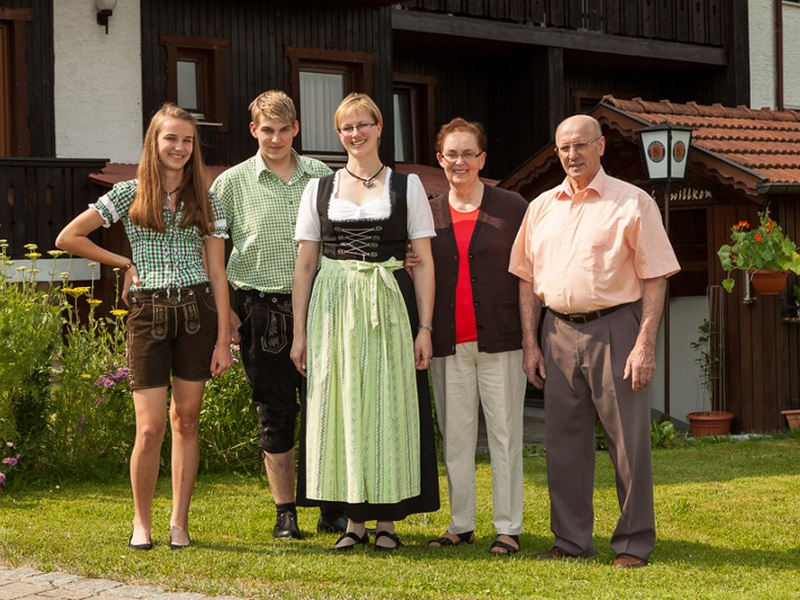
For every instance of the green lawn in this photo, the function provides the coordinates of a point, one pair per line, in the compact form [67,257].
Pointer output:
[728,518]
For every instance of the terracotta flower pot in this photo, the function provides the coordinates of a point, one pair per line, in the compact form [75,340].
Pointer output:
[710,422]
[768,283]
[792,418]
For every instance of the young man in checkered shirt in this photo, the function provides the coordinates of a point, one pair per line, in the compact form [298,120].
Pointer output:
[261,197]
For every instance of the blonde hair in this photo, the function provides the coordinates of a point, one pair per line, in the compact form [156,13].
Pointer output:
[273,104]
[355,102]
[148,203]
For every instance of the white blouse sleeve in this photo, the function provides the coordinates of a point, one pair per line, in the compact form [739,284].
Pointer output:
[420,217]
[308,226]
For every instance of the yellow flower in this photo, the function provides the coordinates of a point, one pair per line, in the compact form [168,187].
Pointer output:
[33,255]
[76,291]
[86,376]
[94,301]
[30,247]
[8,263]
[56,253]
[34,271]
[119,312]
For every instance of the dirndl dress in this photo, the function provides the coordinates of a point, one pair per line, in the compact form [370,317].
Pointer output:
[367,430]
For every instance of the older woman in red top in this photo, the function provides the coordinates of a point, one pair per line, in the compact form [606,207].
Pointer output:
[477,338]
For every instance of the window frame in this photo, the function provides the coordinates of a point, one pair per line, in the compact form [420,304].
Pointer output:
[425,86]
[16,101]
[210,53]
[358,69]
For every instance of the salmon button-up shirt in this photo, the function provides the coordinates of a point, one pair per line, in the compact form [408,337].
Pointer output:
[589,250]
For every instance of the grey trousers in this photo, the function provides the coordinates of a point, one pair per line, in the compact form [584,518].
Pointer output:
[585,364]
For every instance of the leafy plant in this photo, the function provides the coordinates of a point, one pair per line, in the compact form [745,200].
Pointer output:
[762,248]
[711,362]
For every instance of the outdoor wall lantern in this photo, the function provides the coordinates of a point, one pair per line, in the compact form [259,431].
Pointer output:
[105,8]
[665,149]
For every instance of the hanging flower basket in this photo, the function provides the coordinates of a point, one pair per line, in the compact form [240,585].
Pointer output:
[763,249]
[768,283]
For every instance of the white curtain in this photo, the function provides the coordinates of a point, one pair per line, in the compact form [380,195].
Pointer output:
[320,95]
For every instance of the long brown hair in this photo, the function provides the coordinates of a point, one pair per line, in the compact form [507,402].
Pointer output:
[146,209]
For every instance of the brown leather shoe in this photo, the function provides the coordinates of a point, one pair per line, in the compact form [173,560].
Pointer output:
[556,552]
[628,561]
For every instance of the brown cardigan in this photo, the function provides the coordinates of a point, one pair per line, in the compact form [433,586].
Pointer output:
[495,291]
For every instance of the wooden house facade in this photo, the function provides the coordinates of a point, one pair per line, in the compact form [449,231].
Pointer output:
[517,66]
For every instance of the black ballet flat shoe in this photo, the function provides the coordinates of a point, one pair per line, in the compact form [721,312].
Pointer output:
[145,546]
[350,535]
[174,546]
[391,536]
[467,537]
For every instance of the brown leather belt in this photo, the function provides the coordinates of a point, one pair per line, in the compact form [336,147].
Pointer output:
[590,316]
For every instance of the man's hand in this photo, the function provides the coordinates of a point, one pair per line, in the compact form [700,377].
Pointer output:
[411,260]
[640,367]
[533,365]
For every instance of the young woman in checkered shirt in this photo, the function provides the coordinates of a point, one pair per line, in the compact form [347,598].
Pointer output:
[174,335]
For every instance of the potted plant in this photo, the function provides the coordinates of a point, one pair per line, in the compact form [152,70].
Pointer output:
[711,359]
[765,253]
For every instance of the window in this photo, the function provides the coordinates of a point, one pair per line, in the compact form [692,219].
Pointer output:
[320,80]
[414,118]
[5,90]
[15,135]
[196,76]
[320,95]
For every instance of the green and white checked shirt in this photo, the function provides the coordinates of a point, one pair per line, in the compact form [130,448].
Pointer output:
[169,260]
[261,210]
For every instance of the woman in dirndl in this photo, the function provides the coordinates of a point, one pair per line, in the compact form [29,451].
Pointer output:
[362,337]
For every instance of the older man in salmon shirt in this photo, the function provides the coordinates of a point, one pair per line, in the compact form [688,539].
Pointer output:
[593,250]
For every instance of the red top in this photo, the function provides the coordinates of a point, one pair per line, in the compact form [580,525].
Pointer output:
[463,228]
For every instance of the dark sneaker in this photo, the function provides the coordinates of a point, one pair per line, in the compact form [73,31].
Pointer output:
[286,526]
[336,523]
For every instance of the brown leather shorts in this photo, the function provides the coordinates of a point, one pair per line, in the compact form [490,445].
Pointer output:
[171,332]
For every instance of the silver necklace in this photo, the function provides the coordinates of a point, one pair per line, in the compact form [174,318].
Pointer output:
[367,183]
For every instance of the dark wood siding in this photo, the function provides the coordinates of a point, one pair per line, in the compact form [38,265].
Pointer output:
[697,22]
[40,73]
[754,370]
[788,207]
[478,87]
[259,33]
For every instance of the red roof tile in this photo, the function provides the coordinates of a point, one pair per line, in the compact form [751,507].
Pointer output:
[764,141]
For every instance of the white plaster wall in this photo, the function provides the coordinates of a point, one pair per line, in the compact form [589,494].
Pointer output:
[791,55]
[98,81]
[686,394]
[762,53]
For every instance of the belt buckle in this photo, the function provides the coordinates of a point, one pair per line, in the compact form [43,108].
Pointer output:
[580,318]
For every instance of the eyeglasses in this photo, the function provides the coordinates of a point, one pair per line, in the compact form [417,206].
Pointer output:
[351,129]
[579,147]
[467,156]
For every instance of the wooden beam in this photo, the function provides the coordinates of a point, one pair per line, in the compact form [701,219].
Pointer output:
[514,33]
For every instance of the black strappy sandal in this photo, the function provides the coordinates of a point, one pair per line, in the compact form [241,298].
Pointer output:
[509,549]
[467,537]
[350,535]
[392,537]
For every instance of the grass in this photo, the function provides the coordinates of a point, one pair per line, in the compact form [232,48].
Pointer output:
[728,518]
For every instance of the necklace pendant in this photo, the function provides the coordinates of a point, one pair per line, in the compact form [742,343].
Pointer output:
[368,184]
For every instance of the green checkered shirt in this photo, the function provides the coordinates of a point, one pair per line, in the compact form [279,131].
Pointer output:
[173,259]
[261,210]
